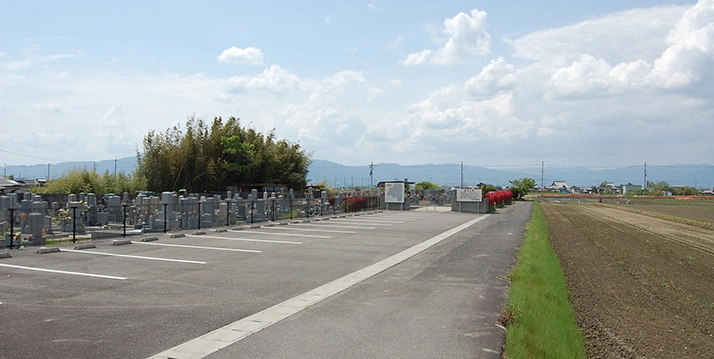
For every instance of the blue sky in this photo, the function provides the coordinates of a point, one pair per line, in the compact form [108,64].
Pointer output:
[489,83]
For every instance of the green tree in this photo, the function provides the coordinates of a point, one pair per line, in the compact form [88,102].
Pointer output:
[82,180]
[205,158]
[522,186]
[426,185]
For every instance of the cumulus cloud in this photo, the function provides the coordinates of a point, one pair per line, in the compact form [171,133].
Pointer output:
[247,56]
[466,37]
[274,80]
[589,76]
[641,49]
[496,76]
[690,49]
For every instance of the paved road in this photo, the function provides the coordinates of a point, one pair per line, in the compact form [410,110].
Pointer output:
[419,284]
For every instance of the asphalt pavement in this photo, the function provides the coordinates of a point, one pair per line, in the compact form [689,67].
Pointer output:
[395,284]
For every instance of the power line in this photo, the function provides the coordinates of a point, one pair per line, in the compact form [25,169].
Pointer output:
[31,156]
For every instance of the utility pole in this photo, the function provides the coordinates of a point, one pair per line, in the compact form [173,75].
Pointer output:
[462,174]
[542,165]
[645,186]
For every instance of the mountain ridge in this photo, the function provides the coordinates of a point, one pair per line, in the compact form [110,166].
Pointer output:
[449,174]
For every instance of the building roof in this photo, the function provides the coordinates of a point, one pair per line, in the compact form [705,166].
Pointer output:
[8,185]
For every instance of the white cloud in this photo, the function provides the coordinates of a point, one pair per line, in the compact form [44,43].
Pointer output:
[274,80]
[466,37]
[395,43]
[625,36]
[31,58]
[111,117]
[690,49]
[496,76]
[589,76]
[48,107]
[247,56]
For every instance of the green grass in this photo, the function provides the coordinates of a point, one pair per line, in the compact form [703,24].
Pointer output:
[538,317]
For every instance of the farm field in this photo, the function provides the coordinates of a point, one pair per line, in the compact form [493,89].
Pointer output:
[642,286]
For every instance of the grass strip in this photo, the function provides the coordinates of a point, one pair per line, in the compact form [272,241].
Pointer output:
[539,318]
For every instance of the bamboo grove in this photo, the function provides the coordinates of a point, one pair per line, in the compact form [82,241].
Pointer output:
[203,158]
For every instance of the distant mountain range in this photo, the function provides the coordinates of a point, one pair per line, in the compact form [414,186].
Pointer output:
[337,175]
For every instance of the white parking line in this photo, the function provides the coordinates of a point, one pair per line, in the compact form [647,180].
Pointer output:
[244,239]
[285,234]
[332,226]
[289,228]
[63,272]
[375,220]
[199,247]
[359,221]
[236,331]
[133,256]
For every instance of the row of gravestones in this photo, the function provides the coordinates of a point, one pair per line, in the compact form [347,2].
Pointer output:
[152,213]
[29,213]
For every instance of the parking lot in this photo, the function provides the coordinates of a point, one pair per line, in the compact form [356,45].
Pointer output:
[202,293]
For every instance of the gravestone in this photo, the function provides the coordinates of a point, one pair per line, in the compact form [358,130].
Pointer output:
[36,224]
[92,210]
[25,206]
[114,210]
[168,219]
[208,215]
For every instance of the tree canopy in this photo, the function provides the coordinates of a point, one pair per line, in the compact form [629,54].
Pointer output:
[203,158]
[83,180]
[522,186]
[426,185]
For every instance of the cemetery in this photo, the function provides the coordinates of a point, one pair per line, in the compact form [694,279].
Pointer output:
[28,219]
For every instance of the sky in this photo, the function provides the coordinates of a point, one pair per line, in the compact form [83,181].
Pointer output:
[488,83]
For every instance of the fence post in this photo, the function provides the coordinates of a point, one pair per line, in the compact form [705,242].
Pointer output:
[74,224]
[166,206]
[228,213]
[12,227]
[124,205]
[199,213]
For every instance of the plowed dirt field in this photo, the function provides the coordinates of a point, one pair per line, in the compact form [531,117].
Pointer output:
[641,286]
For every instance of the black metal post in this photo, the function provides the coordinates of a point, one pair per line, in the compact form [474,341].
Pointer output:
[166,205]
[252,208]
[307,207]
[228,214]
[74,224]
[199,214]
[124,222]
[290,203]
[12,226]
[274,200]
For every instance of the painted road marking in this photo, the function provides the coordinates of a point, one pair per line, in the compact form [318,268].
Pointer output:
[234,332]
[375,220]
[244,239]
[368,222]
[288,228]
[198,247]
[286,234]
[133,256]
[63,272]
[307,224]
